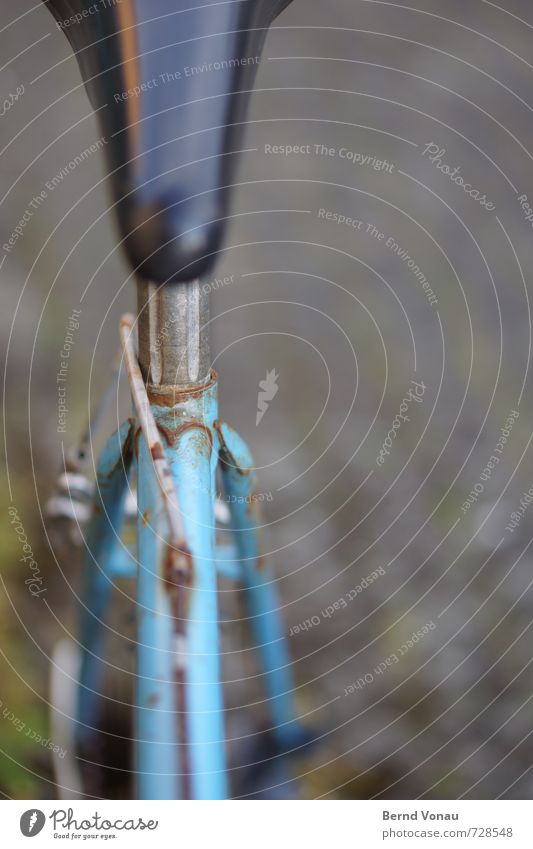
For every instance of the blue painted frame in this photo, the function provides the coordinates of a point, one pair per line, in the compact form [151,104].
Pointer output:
[179,721]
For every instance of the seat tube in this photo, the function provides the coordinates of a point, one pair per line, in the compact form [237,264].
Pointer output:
[175,363]
[194,463]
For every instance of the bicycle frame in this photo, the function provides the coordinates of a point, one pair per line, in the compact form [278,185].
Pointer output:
[175,444]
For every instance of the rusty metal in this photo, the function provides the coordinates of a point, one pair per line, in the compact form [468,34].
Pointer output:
[168,396]
[172,434]
[173,333]
[150,432]
[178,591]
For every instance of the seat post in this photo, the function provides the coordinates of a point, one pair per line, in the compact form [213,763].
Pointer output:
[173,333]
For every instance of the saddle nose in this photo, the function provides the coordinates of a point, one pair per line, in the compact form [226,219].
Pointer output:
[174,239]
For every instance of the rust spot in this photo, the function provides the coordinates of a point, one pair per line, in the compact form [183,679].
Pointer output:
[153,699]
[168,433]
[252,508]
[71,465]
[147,515]
[157,452]
[177,567]
[183,732]
[136,439]
[169,396]
[172,434]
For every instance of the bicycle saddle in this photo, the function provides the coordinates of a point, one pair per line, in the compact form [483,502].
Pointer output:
[170,80]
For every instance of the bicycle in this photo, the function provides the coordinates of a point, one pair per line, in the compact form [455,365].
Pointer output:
[171,221]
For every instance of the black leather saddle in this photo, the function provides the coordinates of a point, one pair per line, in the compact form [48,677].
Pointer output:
[170,81]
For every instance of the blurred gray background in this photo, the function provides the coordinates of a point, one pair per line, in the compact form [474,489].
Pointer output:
[347,325]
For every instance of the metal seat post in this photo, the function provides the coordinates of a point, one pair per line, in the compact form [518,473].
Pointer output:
[173,333]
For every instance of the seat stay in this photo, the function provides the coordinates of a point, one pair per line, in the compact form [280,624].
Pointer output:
[193,461]
[101,549]
[269,636]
